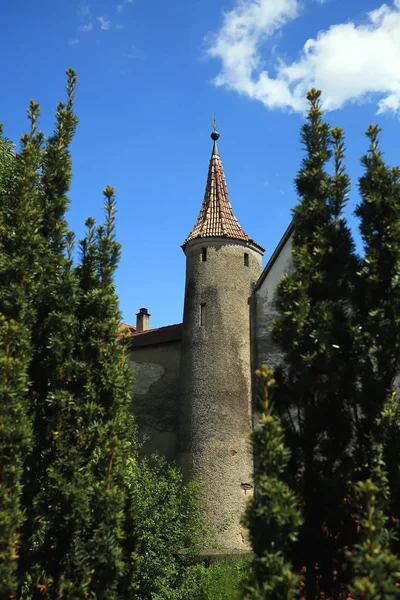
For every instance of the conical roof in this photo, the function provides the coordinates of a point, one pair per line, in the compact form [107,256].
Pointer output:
[216,218]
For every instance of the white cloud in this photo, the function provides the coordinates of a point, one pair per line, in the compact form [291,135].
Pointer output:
[120,7]
[73,42]
[87,27]
[104,23]
[348,61]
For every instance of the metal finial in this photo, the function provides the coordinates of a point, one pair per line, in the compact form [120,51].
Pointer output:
[215,134]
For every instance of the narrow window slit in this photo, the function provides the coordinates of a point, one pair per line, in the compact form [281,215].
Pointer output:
[202,315]
[246,259]
[204,254]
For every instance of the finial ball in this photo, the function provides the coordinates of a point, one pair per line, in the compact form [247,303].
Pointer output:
[215,135]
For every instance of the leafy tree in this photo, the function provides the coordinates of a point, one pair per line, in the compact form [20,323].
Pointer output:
[316,383]
[160,570]
[273,516]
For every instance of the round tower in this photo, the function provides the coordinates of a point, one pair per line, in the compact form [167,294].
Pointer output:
[222,265]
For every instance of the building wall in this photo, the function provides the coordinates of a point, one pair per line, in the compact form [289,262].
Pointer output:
[216,382]
[155,395]
[192,398]
[264,311]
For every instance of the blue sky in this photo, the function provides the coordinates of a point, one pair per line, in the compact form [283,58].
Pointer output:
[152,74]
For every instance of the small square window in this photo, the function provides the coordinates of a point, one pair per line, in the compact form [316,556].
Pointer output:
[246,259]
[204,254]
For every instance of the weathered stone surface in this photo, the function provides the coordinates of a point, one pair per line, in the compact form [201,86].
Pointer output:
[215,403]
[155,396]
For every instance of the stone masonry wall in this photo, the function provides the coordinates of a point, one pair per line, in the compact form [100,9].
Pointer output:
[155,395]
[216,382]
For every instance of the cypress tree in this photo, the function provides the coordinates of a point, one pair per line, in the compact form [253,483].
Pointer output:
[273,516]
[378,308]
[109,435]
[315,393]
[52,492]
[140,513]
[14,445]
[376,569]
[71,519]
[81,391]
[19,249]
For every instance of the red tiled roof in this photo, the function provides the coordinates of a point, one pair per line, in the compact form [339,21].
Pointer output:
[160,335]
[124,327]
[216,218]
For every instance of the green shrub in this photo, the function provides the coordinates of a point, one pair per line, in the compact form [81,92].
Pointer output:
[222,580]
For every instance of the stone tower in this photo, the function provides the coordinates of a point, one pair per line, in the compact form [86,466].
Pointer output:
[222,266]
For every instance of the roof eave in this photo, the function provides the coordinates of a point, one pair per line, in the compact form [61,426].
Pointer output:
[199,240]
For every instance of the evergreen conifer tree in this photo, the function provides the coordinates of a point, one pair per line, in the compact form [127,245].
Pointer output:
[73,516]
[7,163]
[378,309]
[315,393]
[376,569]
[19,250]
[108,431]
[273,516]
[54,488]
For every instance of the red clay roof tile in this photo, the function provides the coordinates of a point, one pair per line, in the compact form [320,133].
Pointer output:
[216,218]
[161,335]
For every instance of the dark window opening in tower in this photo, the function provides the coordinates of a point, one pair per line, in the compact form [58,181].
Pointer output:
[246,259]
[204,254]
[202,315]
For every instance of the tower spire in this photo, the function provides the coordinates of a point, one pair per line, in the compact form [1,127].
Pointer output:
[215,136]
[216,217]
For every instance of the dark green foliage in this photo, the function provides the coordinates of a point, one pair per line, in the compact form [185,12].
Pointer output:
[163,519]
[316,385]
[221,580]
[378,306]
[7,163]
[74,519]
[378,300]
[273,516]
[55,487]
[19,248]
[339,329]
[14,444]
[377,570]
[109,436]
